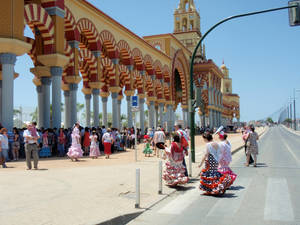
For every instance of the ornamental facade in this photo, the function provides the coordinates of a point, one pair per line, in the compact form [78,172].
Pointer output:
[76,42]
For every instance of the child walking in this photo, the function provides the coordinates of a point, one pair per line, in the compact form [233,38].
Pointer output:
[94,148]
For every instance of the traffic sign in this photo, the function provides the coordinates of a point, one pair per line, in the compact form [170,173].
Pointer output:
[294,13]
[134,101]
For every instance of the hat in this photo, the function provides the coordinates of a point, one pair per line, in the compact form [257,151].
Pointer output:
[221,134]
[219,130]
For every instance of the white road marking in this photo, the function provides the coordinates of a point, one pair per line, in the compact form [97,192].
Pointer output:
[278,202]
[290,150]
[227,207]
[179,204]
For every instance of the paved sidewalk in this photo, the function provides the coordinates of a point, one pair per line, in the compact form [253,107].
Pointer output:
[85,192]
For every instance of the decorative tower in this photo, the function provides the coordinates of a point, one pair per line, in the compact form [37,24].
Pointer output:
[187,25]
[226,84]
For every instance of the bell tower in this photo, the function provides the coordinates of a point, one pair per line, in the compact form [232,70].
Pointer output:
[187,25]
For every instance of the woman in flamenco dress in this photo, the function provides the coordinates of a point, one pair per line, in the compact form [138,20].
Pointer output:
[75,150]
[174,172]
[212,182]
[226,158]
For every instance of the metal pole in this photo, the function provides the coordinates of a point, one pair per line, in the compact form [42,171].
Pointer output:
[160,177]
[295,128]
[137,189]
[190,165]
[191,108]
[135,138]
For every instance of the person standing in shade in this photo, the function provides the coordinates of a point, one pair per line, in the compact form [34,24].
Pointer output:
[31,148]
[4,147]
[107,141]
[61,142]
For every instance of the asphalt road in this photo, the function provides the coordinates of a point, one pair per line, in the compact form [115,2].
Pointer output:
[268,194]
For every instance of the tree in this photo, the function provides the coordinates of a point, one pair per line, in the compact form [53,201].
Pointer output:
[269,120]
[288,120]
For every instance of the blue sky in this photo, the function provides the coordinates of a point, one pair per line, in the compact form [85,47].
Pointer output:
[262,51]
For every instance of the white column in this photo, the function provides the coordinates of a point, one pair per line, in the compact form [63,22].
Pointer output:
[67,109]
[104,112]
[88,98]
[156,118]
[8,61]
[170,123]
[46,82]
[73,102]
[115,121]
[129,112]
[96,93]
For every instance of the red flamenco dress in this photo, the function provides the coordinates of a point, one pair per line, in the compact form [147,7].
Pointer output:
[174,172]
[211,180]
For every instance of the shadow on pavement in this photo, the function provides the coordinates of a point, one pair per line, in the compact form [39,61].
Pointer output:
[121,220]
[193,180]
[182,188]
[261,165]
[236,188]
[226,195]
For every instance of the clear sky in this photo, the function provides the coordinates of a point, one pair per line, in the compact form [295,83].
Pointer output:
[261,52]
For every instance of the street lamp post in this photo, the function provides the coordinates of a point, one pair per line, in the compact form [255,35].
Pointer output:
[294,20]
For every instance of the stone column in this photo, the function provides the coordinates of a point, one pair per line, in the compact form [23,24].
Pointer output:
[129,112]
[88,109]
[46,82]
[211,118]
[119,114]
[115,119]
[73,102]
[104,111]
[169,118]
[40,105]
[142,115]
[161,114]
[184,117]
[151,114]
[96,93]
[67,109]
[56,73]
[8,61]
[156,118]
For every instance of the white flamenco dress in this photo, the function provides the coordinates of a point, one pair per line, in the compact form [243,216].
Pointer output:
[75,150]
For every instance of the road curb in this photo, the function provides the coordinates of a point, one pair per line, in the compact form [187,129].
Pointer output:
[290,130]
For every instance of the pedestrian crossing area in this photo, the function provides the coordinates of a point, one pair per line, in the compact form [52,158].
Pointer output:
[276,205]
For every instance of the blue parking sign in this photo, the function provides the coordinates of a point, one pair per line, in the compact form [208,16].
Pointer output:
[134,102]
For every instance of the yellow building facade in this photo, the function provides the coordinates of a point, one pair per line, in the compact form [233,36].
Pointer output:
[76,42]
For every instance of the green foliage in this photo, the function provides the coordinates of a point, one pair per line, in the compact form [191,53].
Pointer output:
[269,120]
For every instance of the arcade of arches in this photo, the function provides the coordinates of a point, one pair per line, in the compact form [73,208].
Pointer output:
[76,42]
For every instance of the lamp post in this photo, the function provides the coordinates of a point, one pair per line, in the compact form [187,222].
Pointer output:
[294,20]
[295,122]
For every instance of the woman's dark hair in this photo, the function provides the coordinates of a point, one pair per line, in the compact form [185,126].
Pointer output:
[176,138]
[86,129]
[225,136]
[252,129]
[207,136]
[94,131]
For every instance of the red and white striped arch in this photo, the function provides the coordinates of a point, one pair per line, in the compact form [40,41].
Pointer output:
[71,31]
[166,73]
[36,16]
[157,66]
[139,82]
[88,65]
[109,67]
[125,52]
[32,53]
[125,77]
[88,34]
[109,44]
[137,57]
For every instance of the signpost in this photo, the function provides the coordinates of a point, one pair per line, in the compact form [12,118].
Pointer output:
[135,109]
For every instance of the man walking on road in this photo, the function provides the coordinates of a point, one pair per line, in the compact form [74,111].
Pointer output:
[30,138]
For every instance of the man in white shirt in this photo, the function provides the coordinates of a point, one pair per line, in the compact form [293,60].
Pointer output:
[159,139]
[30,138]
